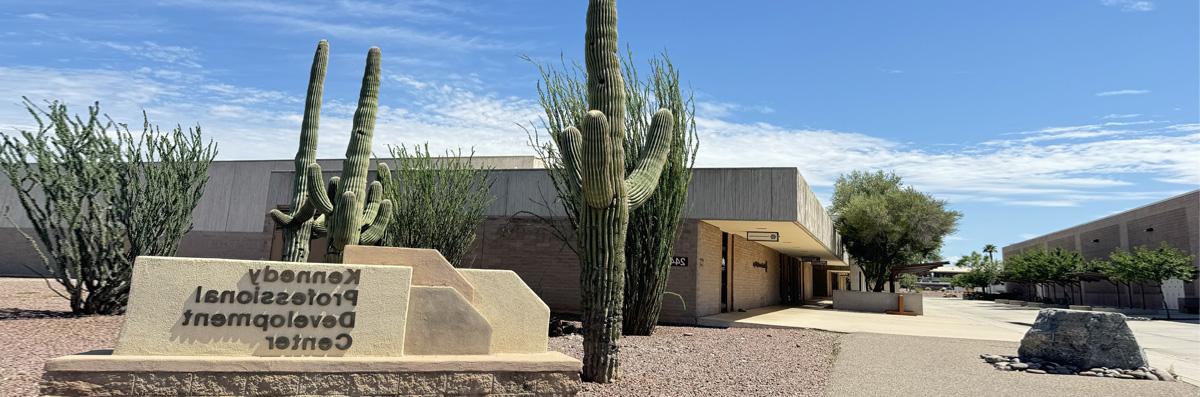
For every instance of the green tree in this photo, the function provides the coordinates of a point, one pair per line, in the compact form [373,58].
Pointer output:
[972,260]
[908,281]
[886,224]
[982,274]
[990,250]
[99,196]
[438,203]
[1160,264]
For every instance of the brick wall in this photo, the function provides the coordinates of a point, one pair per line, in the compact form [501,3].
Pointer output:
[754,286]
[528,247]
[708,270]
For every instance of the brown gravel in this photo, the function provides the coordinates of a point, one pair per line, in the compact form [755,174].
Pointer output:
[36,325]
[687,361]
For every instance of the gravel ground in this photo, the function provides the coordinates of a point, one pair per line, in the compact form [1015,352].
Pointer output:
[36,325]
[927,366]
[688,361]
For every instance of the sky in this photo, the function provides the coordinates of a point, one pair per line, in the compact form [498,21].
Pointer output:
[1026,116]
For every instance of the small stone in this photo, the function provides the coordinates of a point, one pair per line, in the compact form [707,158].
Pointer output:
[1035,366]
[1123,376]
[1088,373]
[1019,366]
[994,359]
[1163,375]
[1035,371]
[1035,360]
[1097,370]
[1015,359]
[691,334]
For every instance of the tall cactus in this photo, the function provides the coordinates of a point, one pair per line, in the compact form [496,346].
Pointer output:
[297,235]
[594,156]
[357,212]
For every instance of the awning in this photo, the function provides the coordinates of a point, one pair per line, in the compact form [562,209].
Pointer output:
[916,268]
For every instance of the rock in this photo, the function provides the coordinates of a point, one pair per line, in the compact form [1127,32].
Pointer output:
[1003,366]
[1035,371]
[1035,366]
[688,334]
[1088,373]
[1015,359]
[1163,375]
[1097,370]
[1035,360]
[1019,366]
[1123,376]
[994,359]
[1151,376]
[1083,339]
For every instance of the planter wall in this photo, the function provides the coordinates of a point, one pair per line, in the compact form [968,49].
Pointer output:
[875,302]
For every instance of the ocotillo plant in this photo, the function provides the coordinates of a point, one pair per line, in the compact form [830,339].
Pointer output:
[297,235]
[349,211]
[595,157]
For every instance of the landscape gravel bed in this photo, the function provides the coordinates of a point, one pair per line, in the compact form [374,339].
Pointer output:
[36,325]
[691,361]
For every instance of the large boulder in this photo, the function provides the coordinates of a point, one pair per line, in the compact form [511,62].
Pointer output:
[1082,339]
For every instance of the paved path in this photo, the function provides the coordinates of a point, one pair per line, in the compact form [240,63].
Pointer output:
[1168,344]
[900,365]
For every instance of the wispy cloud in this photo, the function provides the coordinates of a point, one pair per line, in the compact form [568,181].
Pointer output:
[1130,5]
[1121,116]
[1050,167]
[149,50]
[1122,92]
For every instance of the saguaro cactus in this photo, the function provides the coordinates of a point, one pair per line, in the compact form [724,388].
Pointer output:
[594,155]
[297,235]
[346,208]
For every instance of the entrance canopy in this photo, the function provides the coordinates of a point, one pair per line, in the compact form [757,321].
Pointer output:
[789,238]
[916,268]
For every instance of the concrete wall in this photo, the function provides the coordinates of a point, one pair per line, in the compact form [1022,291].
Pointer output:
[876,302]
[1175,220]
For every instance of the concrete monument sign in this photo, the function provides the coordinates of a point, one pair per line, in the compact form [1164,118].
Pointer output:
[408,323]
[222,307]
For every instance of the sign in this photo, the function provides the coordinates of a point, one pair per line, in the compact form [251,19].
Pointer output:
[763,265]
[192,306]
[679,261]
[762,236]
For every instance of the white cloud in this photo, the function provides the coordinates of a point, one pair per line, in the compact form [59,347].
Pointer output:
[1130,5]
[36,15]
[1054,166]
[1121,116]
[1122,92]
[169,54]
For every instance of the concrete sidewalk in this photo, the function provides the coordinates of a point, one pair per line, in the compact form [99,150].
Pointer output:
[1168,344]
[898,365]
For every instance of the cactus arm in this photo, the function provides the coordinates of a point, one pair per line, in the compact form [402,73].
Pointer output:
[569,141]
[303,214]
[375,231]
[644,178]
[374,194]
[601,174]
[318,227]
[383,174]
[317,195]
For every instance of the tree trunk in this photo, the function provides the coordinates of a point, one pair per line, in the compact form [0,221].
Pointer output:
[1164,299]
[1142,290]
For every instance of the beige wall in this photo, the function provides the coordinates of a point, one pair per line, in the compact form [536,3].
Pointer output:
[1175,221]
[708,270]
[754,286]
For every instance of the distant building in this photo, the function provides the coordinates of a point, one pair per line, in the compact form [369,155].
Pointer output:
[1175,221]
[751,237]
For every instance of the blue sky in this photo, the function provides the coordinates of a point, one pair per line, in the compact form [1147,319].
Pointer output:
[1027,116]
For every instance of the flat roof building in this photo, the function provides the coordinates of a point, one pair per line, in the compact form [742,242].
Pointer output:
[741,227]
[1175,221]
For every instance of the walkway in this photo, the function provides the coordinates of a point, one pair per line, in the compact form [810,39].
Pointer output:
[1168,344]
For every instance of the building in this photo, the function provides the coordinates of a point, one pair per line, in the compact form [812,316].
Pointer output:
[1175,221]
[751,237]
